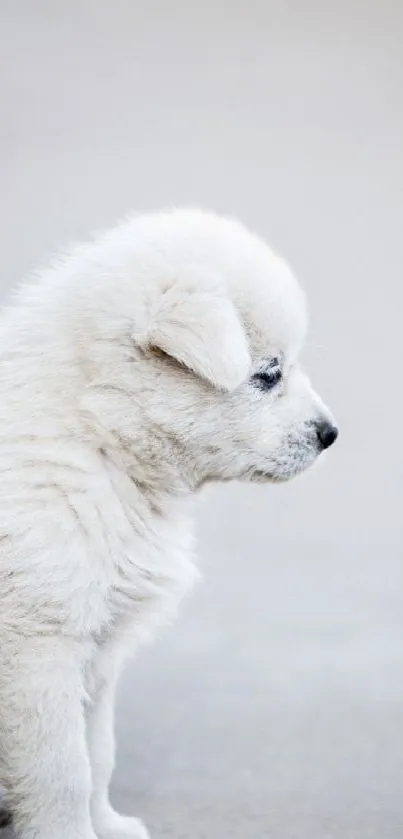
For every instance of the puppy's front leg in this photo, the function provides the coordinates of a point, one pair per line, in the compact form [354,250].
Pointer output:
[108,824]
[44,754]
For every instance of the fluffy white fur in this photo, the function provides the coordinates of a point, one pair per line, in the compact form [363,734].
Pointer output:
[129,377]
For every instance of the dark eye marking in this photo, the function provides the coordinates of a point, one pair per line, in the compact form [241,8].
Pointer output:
[268,378]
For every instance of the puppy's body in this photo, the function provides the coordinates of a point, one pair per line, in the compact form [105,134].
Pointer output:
[158,357]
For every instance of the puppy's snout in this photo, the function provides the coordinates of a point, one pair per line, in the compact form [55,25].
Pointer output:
[327,433]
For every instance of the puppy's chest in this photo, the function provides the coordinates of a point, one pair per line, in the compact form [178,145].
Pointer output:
[147,565]
[147,581]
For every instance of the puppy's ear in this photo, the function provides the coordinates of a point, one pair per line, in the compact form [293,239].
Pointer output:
[203,332]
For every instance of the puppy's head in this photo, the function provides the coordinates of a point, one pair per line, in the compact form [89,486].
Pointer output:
[222,325]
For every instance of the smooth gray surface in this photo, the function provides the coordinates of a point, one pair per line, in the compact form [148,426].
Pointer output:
[274,708]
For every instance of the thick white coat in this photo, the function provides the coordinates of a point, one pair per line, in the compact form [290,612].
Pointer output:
[128,379]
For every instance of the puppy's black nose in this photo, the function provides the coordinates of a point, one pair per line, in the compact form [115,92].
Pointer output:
[327,434]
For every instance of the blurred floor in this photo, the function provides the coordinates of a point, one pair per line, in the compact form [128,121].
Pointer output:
[275,706]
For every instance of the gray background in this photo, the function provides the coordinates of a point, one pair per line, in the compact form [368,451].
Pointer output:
[275,706]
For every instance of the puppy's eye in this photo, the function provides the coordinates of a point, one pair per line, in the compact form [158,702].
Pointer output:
[269,378]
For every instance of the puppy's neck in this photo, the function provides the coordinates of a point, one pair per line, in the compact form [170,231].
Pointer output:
[159,485]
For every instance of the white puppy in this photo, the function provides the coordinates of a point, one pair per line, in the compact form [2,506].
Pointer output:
[158,357]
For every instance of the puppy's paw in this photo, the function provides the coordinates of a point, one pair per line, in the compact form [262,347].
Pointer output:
[121,827]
